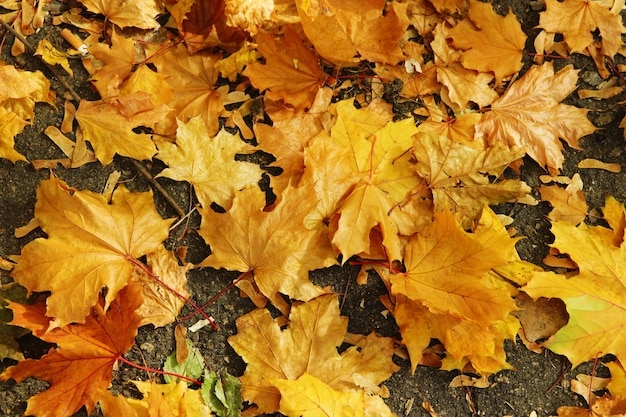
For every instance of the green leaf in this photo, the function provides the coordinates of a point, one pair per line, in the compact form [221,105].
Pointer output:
[191,367]
[222,393]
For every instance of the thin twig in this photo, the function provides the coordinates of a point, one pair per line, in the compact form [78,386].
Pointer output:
[78,98]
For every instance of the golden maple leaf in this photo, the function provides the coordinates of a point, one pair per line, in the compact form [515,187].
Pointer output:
[568,203]
[594,298]
[274,246]
[161,305]
[458,175]
[82,363]
[108,124]
[462,85]
[12,124]
[529,116]
[115,64]
[192,78]
[308,345]
[490,42]
[141,13]
[91,244]
[291,72]
[578,19]
[208,163]
[249,15]
[446,292]
[341,32]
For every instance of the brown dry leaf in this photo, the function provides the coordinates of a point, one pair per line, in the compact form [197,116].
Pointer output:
[291,72]
[340,31]
[529,116]
[490,42]
[108,124]
[539,319]
[91,244]
[458,175]
[139,13]
[578,19]
[161,305]
[208,163]
[308,345]
[274,246]
[191,78]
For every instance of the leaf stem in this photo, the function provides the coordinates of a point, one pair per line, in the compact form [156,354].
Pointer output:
[157,371]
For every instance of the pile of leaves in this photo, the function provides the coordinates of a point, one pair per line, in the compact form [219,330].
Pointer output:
[402,188]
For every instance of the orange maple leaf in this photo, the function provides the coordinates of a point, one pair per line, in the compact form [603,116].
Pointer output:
[308,345]
[529,116]
[115,64]
[595,297]
[91,244]
[141,13]
[341,32]
[108,124]
[291,71]
[490,42]
[192,78]
[275,246]
[82,363]
[578,19]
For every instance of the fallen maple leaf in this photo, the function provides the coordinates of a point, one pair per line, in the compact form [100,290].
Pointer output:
[308,396]
[529,116]
[81,365]
[161,305]
[91,244]
[291,72]
[594,298]
[174,399]
[115,64]
[458,175]
[249,15]
[308,345]
[568,203]
[12,124]
[141,14]
[341,32]
[208,163]
[108,125]
[192,78]
[490,42]
[274,246]
[577,20]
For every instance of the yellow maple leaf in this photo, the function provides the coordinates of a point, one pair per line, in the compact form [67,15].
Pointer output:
[208,163]
[91,244]
[594,298]
[140,14]
[458,175]
[578,19]
[291,73]
[108,124]
[341,32]
[490,42]
[53,56]
[568,203]
[308,396]
[12,124]
[174,399]
[529,116]
[274,246]
[249,15]
[308,345]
